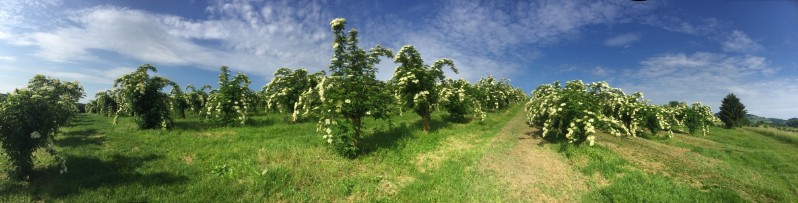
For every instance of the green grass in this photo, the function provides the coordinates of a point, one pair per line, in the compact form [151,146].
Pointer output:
[628,183]
[268,160]
[272,160]
[761,164]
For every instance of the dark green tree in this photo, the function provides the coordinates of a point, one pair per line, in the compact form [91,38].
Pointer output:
[732,112]
[793,122]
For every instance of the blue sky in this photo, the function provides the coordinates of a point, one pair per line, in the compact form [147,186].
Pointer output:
[670,50]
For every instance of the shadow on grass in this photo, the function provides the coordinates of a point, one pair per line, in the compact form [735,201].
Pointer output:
[435,124]
[80,138]
[263,122]
[654,137]
[90,173]
[385,137]
[192,125]
[80,119]
[456,119]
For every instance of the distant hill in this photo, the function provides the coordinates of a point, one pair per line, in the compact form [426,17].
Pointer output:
[754,119]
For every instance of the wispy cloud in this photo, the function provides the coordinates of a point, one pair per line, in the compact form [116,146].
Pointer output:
[738,41]
[8,58]
[731,40]
[623,40]
[602,71]
[496,38]
[698,26]
[707,77]
[255,39]
[483,37]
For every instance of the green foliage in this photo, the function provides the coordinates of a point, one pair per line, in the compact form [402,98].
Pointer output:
[458,98]
[500,94]
[310,100]
[416,83]
[29,118]
[104,103]
[229,105]
[285,91]
[142,96]
[654,118]
[196,98]
[699,117]
[353,91]
[793,122]
[177,101]
[575,111]
[732,112]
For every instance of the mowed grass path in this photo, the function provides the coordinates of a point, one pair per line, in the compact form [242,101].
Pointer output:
[496,160]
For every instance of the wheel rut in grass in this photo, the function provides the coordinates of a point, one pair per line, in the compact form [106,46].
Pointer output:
[529,170]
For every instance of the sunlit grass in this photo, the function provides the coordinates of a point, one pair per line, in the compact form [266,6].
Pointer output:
[267,160]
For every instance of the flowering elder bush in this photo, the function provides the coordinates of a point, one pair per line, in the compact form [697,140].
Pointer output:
[29,118]
[497,94]
[310,100]
[177,101]
[567,113]
[655,118]
[353,91]
[576,111]
[283,92]
[676,113]
[699,117]
[104,103]
[416,82]
[457,98]
[195,99]
[141,95]
[229,104]
[619,107]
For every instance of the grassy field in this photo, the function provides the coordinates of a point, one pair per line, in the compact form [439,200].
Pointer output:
[499,159]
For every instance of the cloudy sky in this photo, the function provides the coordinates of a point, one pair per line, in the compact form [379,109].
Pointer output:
[670,50]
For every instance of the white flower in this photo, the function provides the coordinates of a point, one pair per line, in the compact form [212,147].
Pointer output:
[347,101]
[35,135]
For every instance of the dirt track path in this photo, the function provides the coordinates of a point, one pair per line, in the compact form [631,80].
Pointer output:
[530,171]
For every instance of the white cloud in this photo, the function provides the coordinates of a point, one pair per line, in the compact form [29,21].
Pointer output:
[700,26]
[738,41]
[708,77]
[260,41]
[258,37]
[622,40]
[602,71]
[496,37]
[8,58]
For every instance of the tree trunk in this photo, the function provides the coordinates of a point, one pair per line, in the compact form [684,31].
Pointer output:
[356,122]
[425,117]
